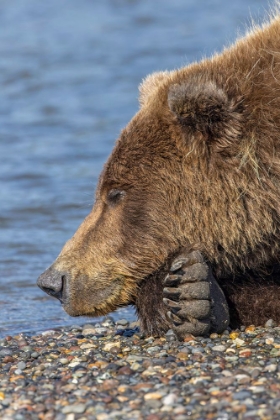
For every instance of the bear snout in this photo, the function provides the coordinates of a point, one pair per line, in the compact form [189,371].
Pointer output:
[53,282]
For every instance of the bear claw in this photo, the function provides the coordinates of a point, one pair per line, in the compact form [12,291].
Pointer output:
[195,302]
[172,293]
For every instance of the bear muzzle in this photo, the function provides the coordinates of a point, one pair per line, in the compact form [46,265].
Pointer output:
[84,295]
[53,282]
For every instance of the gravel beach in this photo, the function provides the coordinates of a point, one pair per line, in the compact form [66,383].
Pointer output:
[110,371]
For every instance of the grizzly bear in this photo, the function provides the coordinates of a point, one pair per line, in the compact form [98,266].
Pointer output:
[186,221]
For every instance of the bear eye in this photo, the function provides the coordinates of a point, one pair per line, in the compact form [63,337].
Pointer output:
[115,196]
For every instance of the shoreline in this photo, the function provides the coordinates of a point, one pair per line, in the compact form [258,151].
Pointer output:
[108,370]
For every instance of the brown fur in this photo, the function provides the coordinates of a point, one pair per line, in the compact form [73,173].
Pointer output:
[197,167]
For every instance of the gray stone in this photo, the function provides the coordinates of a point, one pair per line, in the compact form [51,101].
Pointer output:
[170,399]
[153,403]
[134,358]
[26,348]
[21,365]
[19,417]
[75,408]
[241,395]
[6,352]
[269,323]
[270,368]
[198,350]
[219,348]
[153,349]
[170,332]
[76,327]
[122,322]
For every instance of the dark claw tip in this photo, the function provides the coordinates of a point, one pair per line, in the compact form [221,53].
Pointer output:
[171,280]
[177,264]
[172,293]
[171,304]
[176,321]
[175,309]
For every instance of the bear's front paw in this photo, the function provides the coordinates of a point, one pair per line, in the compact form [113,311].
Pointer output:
[196,304]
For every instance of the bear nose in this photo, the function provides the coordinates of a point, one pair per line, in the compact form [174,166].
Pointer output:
[53,283]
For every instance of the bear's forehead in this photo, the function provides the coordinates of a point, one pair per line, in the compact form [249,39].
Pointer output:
[143,148]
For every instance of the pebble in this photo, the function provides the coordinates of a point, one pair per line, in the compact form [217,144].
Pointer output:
[270,368]
[21,365]
[201,350]
[241,395]
[245,353]
[77,409]
[269,323]
[170,399]
[152,396]
[219,348]
[122,322]
[6,352]
[94,372]
[110,345]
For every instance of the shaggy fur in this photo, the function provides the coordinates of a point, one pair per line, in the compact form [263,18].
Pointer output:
[198,167]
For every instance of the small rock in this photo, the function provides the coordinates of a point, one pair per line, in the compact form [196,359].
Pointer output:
[227,381]
[63,361]
[89,326]
[242,379]
[154,405]
[110,345]
[134,358]
[152,396]
[125,370]
[199,350]
[269,340]
[241,395]
[89,331]
[269,323]
[255,373]
[169,332]
[188,338]
[21,365]
[245,353]
[182,356]
[153,349]
[226,372]
[250,329]
[270,368]
[239,342]
[169,399]
[8,359]
[219,348]
[257,389]
[26,348]
[136,366]
[75,408]
[85,346]
[49,332]
[122,322]
[275,352]
[6,352]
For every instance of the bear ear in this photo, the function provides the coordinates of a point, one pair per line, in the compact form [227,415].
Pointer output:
[149,85]
[207,109]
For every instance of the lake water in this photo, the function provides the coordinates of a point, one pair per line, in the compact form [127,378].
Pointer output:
[69,74]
